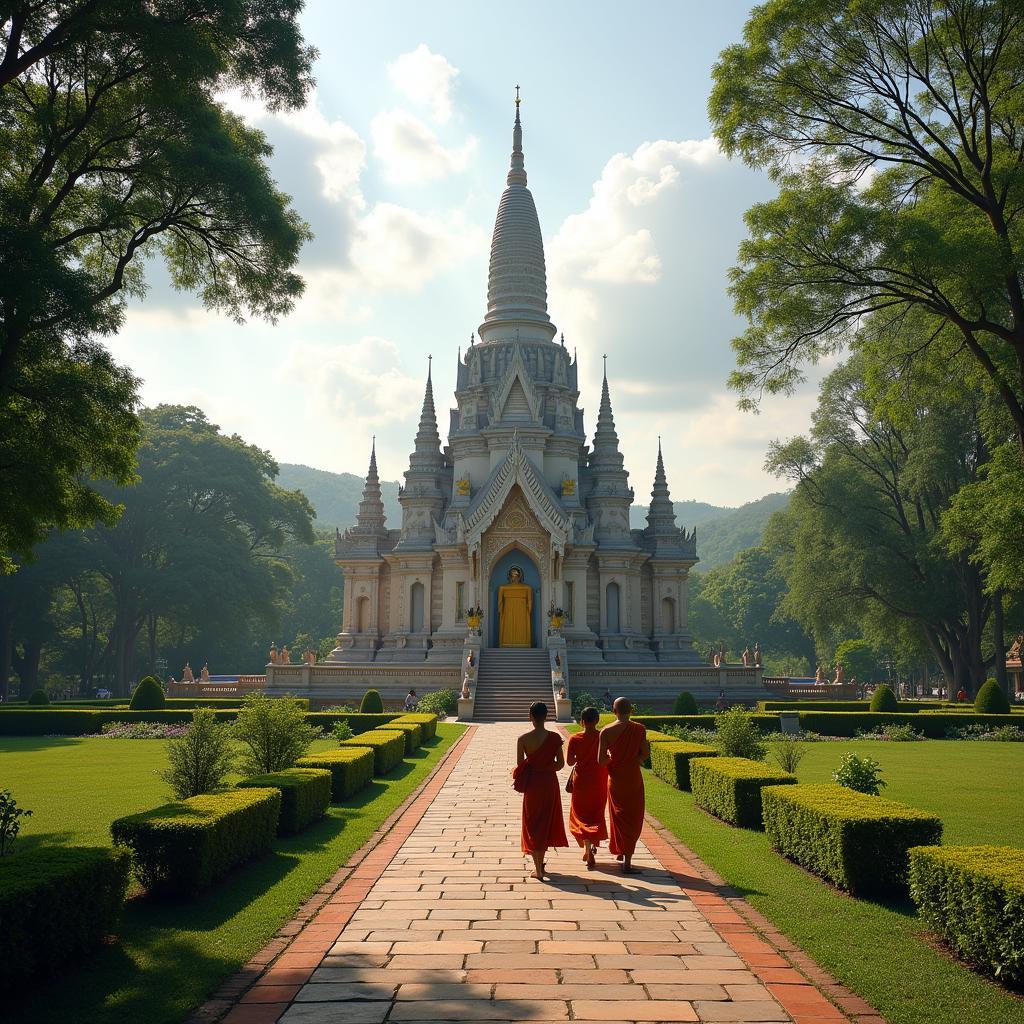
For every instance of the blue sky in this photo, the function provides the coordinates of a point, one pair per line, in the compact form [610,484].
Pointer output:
[398,162]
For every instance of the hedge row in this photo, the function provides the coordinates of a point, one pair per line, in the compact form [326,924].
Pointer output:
[388,748]
[428,721]
[974,897]
[305,795]
[766,723]
[358,722]
[932,724]
[413,732]
[55,904]
[844,705]
[351,769]
[730,787]
[183,847]
[671,761]
[857,842]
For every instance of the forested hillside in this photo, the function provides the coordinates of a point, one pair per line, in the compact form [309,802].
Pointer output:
[335,496]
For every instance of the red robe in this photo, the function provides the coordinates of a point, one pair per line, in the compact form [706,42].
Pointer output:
[589,789]
[625,790]
[542,801]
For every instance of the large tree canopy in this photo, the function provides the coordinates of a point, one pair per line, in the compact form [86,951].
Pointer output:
[116,149]
[894,130]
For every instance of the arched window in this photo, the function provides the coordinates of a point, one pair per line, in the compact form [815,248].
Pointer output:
[363,615]
[611,604]
[668,615]
[416,608]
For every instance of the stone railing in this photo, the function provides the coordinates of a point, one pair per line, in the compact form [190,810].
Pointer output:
[784,687]
[238,687]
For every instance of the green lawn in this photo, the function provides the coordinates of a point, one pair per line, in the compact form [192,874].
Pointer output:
[875,949]
[170,957]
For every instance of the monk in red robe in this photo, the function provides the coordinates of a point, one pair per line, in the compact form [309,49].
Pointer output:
[589,787]
[538,760]
[624,748]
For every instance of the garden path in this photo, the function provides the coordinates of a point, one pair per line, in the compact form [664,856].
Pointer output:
[441,922]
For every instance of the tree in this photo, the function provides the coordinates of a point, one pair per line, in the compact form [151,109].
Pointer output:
[862,538]
[893,130]
[117,150]
[857,659]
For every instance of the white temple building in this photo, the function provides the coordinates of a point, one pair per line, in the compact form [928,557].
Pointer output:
[517,487]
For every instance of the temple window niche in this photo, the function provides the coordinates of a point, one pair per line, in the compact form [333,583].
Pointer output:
[569,602]
[416,608]
[668,615]
[612,607]
[460,602]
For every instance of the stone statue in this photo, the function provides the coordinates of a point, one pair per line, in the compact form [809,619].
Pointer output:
[819,676]
[465,688]
[562,693]
[310,657]
[204,675]
[273,654]
[746,657]
[840,678]
[757,654]
[717,659]
[286,655]
[515,608]
[186,674]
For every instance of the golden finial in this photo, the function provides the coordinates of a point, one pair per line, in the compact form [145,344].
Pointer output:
[518,100]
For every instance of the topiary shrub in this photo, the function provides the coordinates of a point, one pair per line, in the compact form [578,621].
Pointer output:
[686,704]
[991,700]
[413,733]
[148,695]
[371,704]
[351,769]
[183,847]
[974,897]
[730,787]
[37,698]
[671,761]
[56,903]
[427,722]
[883,699]
[305,795]
[388,748]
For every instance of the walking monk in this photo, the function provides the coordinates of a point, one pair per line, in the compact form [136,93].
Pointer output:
[538,759]
[623,749]
[589,787]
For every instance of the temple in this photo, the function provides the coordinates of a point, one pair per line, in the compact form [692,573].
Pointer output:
[514,571]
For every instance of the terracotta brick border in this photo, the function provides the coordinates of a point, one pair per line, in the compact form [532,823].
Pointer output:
[264,987]
[791,976]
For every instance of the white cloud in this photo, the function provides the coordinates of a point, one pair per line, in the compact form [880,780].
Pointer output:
[411,153]
[426,78]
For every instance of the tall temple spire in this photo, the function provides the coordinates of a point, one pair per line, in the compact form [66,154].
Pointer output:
[661,516]
[606,439]
[370,517]
[517,296]
[427,437]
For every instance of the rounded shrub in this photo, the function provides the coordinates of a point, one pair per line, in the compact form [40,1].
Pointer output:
[686,704]
[884,699]
[38,697]
[991,700]
[371,704]
[148,695]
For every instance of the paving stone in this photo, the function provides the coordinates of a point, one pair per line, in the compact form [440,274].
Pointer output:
[634,1010]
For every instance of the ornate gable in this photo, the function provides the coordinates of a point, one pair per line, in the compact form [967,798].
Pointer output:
[515,388]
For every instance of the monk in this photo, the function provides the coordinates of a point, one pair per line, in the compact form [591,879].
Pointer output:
[589,787]
[538,760]
[624,748]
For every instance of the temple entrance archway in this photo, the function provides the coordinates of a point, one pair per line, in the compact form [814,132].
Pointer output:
[498,577]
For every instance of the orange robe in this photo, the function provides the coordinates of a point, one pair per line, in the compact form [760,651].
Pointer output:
[543,826]
[625,790]
[589,789]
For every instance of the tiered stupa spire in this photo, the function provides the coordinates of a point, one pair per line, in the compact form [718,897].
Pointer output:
[422,497]
[370,517]
[428,440]
[661,516]
[606,454]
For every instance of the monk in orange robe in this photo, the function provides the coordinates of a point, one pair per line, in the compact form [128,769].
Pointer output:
[538,760]
[589,787]
[624,748]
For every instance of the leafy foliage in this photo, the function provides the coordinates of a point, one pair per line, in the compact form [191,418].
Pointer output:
[883,699]
[861,774]
[10,825]
[737,735]
[148,695]
[275,731]
[991,699]
[787,751]
[199,761]
[371,704]
[342,730]
[685,704]
[38,698]
[439,702]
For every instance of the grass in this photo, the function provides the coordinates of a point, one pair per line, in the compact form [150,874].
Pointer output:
[876,949]
[171,957]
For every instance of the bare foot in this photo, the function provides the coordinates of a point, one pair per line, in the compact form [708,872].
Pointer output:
[618,856]
[591,862]
[628,869]
[539,875]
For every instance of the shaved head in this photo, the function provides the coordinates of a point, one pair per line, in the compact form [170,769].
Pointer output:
[622,706]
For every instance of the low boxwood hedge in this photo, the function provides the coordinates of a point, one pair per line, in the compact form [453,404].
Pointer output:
[730,787]
[351,769]
[766,723]
[655,738]
[305,795]
[56,903]
[358,722]
[413,732]
[974,897]
[933,723]
[428,721]
[86,721]
[388,748]
[857,842]
[671,761]
[180,848]
[772,706]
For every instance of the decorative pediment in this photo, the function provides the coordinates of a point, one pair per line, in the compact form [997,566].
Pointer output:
[516,468]
[515,393]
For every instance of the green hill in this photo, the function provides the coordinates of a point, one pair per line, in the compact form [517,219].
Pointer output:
[335,496]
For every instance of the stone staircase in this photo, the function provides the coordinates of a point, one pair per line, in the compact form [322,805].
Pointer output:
[508,681]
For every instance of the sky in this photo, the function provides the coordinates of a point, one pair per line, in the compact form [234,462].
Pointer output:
[398,161]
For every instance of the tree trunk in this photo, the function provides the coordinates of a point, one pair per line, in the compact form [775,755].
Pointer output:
[151,624]
[999,639]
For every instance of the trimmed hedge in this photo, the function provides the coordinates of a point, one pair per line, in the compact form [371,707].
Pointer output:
[388,748]
[766,723]
[685,704]
[991,700]
[655,738]
[55,904]
[84,721]
[305,795]
[844,705]
[857,842]
[38,698]
[883,699]
[351,769]
[413,732]
[974,897]
[671,761]
[730,787]
[359,722]
[182,847]
[371,704]
[932,724]
[148,695]
[427,720]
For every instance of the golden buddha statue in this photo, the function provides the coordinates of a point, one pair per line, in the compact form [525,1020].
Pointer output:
[515,609]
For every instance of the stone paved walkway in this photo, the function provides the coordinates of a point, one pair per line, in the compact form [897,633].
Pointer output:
[442,923]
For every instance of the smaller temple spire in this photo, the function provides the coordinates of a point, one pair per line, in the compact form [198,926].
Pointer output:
[370,517]
[517,168]
[606,440]
[661,516]
[428,440]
